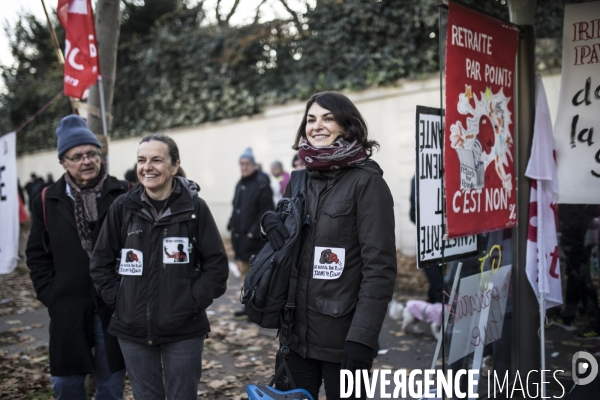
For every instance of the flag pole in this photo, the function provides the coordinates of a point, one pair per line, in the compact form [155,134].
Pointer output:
[59,54]
[102,106]
[543,343]
[100,82]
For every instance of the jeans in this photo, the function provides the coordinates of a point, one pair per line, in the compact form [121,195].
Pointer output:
[170,370]
[309,373]
[108,386]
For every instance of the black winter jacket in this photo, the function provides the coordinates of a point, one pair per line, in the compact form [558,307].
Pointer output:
[253,197]
[166,301]
[348,266]
[62,280]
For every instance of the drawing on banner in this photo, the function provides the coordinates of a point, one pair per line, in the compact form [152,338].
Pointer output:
[429,195]
[478,132]
[485,140]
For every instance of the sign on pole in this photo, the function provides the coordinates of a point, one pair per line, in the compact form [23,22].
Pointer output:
[432,248]
[577,149]
[478,133]
[9,204]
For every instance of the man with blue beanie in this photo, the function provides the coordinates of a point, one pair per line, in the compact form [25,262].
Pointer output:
[253,197]
[66,220]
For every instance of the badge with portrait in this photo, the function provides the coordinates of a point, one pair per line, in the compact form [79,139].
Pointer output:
[176,250]
[132,262]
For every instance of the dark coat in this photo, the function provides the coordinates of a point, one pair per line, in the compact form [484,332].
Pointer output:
[351,211]
[168,301]
[253,197]
[62,280]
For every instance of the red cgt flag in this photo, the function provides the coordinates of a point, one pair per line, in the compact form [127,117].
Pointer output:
[81,54]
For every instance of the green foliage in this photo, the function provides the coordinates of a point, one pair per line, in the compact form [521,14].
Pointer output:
[190,72]
[177,69]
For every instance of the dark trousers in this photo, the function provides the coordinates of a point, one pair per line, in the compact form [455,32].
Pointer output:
[436,283]
[309,373]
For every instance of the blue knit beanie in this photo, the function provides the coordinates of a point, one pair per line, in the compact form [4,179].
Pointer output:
[248,154]
[73,131]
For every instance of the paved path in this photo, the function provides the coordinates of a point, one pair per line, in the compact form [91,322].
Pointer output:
[31,338]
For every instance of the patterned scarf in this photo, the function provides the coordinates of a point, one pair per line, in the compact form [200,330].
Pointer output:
[86,209]
[340,154]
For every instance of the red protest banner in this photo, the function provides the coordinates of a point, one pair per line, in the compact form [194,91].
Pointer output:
[478,133]
[81,55]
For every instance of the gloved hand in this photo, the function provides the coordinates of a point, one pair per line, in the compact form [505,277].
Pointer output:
[357,356]
[273,225]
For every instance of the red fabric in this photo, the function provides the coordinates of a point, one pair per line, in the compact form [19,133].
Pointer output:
[23,216]
[81,54]
[479,129]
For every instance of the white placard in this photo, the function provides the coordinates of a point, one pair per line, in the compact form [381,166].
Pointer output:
[578,120]
[9,204]
[429,195]
[481,302]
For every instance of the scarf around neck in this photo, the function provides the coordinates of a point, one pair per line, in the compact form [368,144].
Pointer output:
[86,209]
[340,154]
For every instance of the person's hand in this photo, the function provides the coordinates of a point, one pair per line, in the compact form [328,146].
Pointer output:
[357,356]
[277,233]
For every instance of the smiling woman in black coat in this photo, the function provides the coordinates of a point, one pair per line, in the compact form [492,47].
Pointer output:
[348,265]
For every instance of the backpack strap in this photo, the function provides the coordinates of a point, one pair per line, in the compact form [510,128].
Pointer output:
[125,219]
[44,207]
[298,184]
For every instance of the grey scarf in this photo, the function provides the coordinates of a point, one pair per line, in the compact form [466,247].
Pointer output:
[86,209]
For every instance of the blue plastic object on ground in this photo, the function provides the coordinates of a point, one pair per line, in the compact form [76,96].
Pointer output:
[264,392]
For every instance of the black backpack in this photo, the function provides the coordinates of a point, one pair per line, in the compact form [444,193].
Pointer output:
[271,281]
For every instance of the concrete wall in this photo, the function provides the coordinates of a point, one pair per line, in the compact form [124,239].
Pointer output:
[209,152]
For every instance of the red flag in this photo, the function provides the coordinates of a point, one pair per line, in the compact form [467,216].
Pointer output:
[81,54]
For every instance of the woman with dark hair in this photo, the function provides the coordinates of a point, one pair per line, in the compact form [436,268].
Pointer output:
[160,300]
[347,268]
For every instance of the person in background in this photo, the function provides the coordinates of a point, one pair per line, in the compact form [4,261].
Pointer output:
[253,197]
[337,318]
[131,177]
[172,265]
[21,191]
[33,188]
[49,179]
[65,225]
[297,163]
[23,216]
[280,175]
[581,296]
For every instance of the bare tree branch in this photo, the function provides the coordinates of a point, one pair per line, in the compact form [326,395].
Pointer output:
[232,11]
[293,14]
[257,16]
[218,14]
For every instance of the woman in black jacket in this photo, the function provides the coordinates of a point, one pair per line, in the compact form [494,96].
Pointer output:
[171,264]
[348,265]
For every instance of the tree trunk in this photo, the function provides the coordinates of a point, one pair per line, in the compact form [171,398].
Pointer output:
[108,23]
